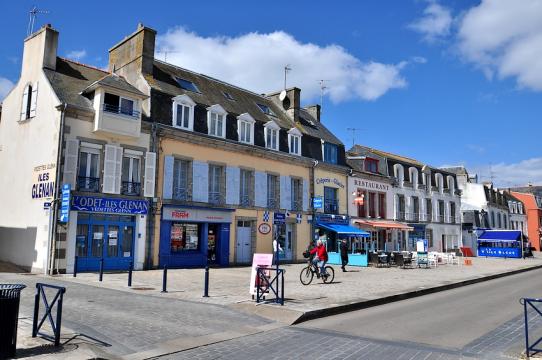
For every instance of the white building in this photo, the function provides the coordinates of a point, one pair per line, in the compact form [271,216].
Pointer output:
[81,128]
[424,198]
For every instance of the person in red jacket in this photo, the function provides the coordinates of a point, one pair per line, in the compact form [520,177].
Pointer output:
[320,257]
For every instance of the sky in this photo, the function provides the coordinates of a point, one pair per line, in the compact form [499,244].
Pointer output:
[454,82]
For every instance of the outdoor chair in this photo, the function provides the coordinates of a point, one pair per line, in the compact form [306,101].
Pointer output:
[432,260]
[373,259]
[452,259]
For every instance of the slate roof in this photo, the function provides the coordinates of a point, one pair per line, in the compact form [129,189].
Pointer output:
[211,92]
[114,81]
[70,78]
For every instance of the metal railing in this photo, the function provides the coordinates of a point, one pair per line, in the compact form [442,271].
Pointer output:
[55,326]
[297,205]
[216,198]
[88,184]
[331,206]
[180,194]
[530,347]
[267,283]
[130,188]
[122,111]
[400,215]
[440,218]
[244,200]
[272,203]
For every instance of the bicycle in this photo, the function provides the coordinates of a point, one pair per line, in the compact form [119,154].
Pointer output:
[307,274]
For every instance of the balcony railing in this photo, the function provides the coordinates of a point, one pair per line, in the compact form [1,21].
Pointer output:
[297,205]
[440,218]
[216,198]
[131,188]
[244,200]
[331,206]
[180,194]
[122,111]
[88,184]
[400,215]
[272,203]
[413,217]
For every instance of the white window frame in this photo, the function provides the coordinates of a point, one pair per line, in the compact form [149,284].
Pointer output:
[183,100]
[272,126]
[294,133]
[246,119]
[89,148]
[218,111]
[133,155]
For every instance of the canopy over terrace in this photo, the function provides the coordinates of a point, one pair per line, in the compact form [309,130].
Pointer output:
[385,234]
[353,237]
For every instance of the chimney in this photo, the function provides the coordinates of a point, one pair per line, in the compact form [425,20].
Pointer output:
[291,103]
[314,110]
[40,47]
[135,53]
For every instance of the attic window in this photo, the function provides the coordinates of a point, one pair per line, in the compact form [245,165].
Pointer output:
[228,96]
[187,85]
[265,109]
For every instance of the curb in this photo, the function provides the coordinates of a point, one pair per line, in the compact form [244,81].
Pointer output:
[320,313]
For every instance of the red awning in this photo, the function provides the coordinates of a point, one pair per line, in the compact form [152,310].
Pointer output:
[384,224]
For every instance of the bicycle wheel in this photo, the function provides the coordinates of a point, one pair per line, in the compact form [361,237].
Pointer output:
[306,275]
[331,275]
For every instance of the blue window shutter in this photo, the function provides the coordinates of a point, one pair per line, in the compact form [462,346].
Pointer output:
[285,192]
[260,189]
[167,192]
[200,183]
[305,195]
[232,185]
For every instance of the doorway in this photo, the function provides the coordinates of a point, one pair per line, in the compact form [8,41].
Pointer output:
[243,246]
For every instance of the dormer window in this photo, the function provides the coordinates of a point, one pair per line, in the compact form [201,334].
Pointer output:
[294,141]
[265,109]
[120,105]
[271,131]
[245,128]
[330,153]
[371,165]
[183,112]
[187,85]
[216,121]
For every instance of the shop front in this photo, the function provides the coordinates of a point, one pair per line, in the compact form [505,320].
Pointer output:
[108,229]
[332,229]
[194,236]
[385,235]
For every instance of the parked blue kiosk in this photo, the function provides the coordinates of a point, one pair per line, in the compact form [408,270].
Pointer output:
[500,243]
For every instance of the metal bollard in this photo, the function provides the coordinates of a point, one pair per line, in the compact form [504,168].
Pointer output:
[101,269]
[130,273]
[164,280]
[206,289]
[75,266]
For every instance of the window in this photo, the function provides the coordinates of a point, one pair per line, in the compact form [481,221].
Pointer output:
[452,213]
[294,141]
[330,153]
[273,191]
[297,195]
[505,221]
[415,209]
[245,128]
[29,102]
[266,110]
[428,210]
[371,165]
[382,205]
[216,121]
[372,204]
[183,112]
[181,172]
[89,164]
[492,219]
[272,135]
[184,237]
[131,167]
[187,85]
[216,184]
[440,211]
[228,96]
[400,211]
[119,105]
[331,204]
[361,205]
[246,188]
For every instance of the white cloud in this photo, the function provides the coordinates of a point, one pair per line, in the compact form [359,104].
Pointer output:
[514,174]
[504,38]
[5,87]
[76,54]
[256,61]
[435,22]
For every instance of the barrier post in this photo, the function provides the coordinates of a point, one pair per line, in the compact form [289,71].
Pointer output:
[75,266]
[101,269]
[206,287]
[130,273]
[526,328]
[59,318]
[164,280]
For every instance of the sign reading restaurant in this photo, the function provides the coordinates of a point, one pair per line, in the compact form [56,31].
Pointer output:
[371,185]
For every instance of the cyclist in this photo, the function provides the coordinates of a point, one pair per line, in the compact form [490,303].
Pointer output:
[320,257]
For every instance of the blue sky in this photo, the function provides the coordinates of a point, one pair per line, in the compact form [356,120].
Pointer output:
[450,82]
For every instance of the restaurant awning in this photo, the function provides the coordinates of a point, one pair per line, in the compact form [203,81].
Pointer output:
[381,224]
[343,229]
[510,235]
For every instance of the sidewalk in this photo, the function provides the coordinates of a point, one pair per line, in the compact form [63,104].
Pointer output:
[230,286]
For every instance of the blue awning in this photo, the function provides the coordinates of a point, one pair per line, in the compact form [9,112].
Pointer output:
[510,235]
[343,229]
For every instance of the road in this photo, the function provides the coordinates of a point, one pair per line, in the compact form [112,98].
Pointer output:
[481,321]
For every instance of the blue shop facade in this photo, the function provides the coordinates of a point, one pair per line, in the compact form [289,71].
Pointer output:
[194,236]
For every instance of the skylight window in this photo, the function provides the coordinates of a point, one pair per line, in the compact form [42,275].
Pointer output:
[265,109]
[187,85]
[228,96]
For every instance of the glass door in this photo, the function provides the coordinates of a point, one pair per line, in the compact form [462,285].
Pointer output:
[112,241]
[97,240]
[127,241]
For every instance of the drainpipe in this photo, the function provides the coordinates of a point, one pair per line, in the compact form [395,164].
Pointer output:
[151,216]
[52,229]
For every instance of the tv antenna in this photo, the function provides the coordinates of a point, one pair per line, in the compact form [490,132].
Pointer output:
[32,21]
[323,87]
[286,69]
[353,130]
[165,52]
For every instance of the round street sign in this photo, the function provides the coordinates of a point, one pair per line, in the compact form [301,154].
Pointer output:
[264,228]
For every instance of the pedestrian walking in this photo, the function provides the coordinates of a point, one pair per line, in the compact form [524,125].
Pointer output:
[344,254]
[275,255]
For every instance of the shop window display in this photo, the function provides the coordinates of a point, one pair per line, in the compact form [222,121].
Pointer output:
[184,237]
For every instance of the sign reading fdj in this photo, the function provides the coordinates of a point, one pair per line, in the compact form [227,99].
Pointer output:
[107,205]
[43,182]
